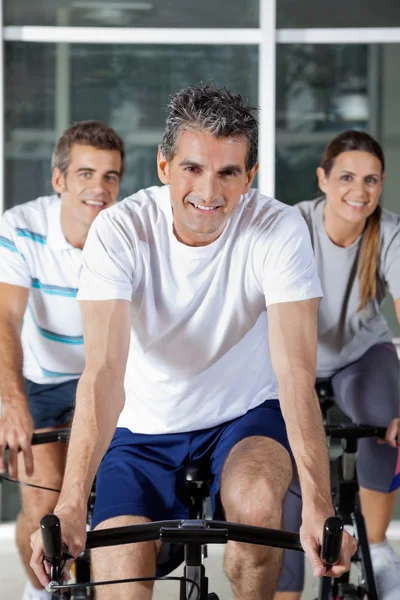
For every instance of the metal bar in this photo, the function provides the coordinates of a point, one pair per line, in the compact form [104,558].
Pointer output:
[193,536]
[131,35]
[336,35]
[159,35]
[266,94]
[375,86]
[50,437]
[151,531]
[143,532]
[249,534]
[354,431]
[63,85]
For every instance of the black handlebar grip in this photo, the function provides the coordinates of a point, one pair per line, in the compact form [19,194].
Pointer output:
[51,536]
[332,540]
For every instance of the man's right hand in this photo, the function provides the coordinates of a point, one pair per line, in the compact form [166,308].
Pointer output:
[16,429]
[73,531]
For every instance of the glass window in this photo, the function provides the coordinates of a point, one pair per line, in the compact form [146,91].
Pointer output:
[292,14]
[140,13]
[321,90]
[389,136]
[125,86]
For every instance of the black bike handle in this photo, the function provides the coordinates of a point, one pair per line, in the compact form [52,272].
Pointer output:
[52,540]
[352,431]
[332,540]
[49,437]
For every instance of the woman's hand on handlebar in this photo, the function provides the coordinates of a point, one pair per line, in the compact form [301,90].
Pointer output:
[392,436]
[311,533]
[73,531]
[16,429]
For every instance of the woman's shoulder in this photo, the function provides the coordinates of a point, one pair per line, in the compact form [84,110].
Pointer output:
[390,220]
[310,209]
[390,228]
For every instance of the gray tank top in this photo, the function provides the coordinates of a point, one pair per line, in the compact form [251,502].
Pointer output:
[344,333]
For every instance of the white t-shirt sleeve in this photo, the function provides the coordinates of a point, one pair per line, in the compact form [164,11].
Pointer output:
[13,266]
[287,268]
[109,260]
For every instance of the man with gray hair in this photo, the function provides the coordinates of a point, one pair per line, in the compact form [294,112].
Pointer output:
[41,336]
[199,302]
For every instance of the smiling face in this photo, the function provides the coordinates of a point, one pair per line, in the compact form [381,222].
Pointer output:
[207,177]
[353,186]
[90,184]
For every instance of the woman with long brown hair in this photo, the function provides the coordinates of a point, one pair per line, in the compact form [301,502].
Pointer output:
[357,249]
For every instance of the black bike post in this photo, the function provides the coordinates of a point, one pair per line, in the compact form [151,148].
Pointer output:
[361,534]
[325,588]
[194,568]
[347,506]
[82,575]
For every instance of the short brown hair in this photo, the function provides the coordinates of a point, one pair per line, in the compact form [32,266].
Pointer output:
[86,133]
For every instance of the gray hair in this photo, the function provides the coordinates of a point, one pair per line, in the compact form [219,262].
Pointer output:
[86,133]
[215,111]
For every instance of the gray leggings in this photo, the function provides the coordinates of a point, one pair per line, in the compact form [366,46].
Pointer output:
[368,391]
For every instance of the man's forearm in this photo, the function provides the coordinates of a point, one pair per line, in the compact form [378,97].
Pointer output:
[98,406]
[12,387]
[302,414]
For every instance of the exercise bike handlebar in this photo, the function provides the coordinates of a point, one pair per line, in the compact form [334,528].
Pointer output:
[343,431]
[190,532]
[351,431]
[49,437]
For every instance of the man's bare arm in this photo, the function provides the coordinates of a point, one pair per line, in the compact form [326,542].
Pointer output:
[293,343]
[16,425]
[13,303]
[100,397]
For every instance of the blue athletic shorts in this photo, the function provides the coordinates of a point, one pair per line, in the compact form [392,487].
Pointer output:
[143,475]
[51,405]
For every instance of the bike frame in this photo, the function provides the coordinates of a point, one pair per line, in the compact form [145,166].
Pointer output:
[347,506]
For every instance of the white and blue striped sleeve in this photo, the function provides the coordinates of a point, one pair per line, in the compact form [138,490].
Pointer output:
[109,258]
[13,265]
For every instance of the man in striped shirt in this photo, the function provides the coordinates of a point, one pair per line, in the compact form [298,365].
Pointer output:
[41,341]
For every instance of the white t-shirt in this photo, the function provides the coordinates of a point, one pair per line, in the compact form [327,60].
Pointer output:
[199,352]
[34,254]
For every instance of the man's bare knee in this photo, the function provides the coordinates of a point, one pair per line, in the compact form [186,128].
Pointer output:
[251,567]
[34,506]
[128,561]
[254,481]
[49,460]
[287,596]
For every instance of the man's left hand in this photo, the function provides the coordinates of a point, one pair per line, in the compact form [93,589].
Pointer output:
[311,533]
